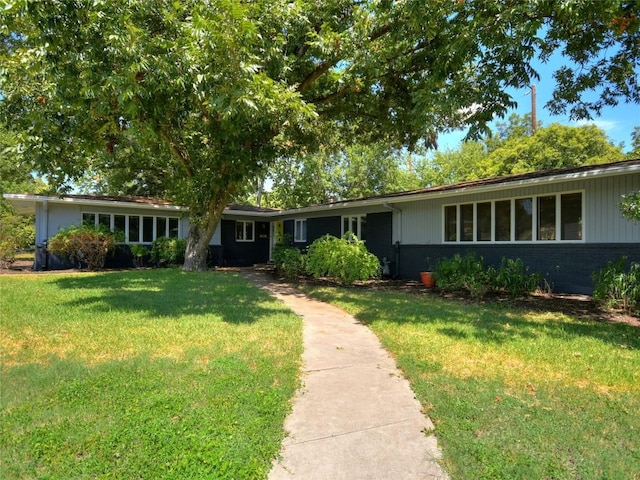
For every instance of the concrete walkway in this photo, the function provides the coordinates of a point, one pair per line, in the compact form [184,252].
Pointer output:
[355,416]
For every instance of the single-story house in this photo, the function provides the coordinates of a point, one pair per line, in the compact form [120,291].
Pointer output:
[563,223]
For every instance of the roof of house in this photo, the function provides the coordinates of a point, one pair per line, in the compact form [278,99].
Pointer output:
[26,203]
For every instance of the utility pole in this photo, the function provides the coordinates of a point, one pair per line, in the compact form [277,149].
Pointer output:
[534,118]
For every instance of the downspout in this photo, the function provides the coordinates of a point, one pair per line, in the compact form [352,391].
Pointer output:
[45,221]
[399,238]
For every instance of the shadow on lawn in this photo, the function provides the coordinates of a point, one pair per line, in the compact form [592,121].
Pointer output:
[490,322]
[170,293]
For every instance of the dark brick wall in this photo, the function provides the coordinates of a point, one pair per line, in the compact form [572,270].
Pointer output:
[567,268]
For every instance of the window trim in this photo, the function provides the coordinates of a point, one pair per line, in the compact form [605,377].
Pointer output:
[244,231]
[297,228]
[358,218]
[141,217]
[512,203]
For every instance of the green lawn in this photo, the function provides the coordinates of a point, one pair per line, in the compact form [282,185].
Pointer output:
[513,394]
[143,374]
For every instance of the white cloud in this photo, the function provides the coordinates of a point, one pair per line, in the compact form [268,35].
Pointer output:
[605,125]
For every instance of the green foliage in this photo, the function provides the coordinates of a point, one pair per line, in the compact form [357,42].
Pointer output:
[513,277]
[463,273]
[468,274]
[346,259]
[16,232]
[630,206]
[83,244]
[168,250]
[289,261]
[616,286]
[113,76]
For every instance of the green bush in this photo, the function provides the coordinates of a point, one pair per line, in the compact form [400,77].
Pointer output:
[83,244]
[514,278]
[168,251]
[289,261]
[468,273]
[345,259]
[138,251]
[618,287]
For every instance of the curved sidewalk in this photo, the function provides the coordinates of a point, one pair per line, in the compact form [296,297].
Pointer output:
[355,416]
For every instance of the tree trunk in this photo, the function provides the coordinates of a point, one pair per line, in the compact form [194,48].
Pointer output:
[201,229]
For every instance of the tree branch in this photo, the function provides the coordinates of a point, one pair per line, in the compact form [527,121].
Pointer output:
[175,151]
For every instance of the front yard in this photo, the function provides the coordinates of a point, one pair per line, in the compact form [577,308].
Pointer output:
[514,394]
[143,374]
[161,374]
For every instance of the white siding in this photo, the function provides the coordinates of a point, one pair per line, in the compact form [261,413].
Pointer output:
[422,221]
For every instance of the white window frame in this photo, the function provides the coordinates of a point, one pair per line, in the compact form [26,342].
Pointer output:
[358,218]
[141,216]
[245,224]
[512,200]
[300,230]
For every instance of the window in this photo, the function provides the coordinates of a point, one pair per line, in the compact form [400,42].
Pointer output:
[356,224]
[89,219]
[244,231]
[466,222]
[539,218]
[104,219]
[300,230]
[571,216]
[503,221]
[450,223]
[524,218]
[174,229]
[119,223]
[135,228]
[547,218]
[483,232]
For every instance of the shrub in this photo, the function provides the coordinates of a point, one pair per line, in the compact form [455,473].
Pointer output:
[83,244]
[467,273]
[139,252]
[346,259]
[616,288]
[513,277]
[289,261]
[168,251]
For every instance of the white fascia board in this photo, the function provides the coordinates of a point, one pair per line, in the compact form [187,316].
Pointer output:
[25,198]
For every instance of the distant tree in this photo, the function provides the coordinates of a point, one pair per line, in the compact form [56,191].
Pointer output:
[635,144]
[453,166]
[555,146]
[354,171]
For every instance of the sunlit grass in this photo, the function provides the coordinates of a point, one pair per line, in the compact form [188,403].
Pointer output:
[513,394]
[143,374]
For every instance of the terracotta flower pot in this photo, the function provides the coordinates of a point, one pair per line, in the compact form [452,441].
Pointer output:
[427,279]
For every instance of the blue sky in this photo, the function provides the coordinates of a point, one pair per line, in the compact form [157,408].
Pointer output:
[617,122]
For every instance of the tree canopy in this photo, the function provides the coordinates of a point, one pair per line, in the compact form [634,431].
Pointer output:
[213,92]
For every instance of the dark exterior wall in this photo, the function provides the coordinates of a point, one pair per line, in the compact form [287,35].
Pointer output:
[316,228]
[567,268]
[379,231]
[243,254]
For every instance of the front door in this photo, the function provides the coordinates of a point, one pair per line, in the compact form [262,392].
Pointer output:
[277,232]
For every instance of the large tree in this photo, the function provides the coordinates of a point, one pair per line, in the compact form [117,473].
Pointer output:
[216,90]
